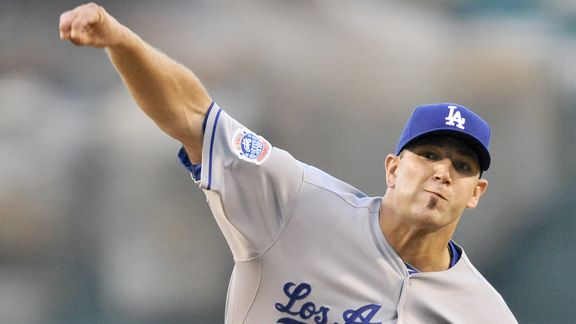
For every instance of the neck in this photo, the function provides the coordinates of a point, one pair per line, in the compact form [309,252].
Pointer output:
[425,249]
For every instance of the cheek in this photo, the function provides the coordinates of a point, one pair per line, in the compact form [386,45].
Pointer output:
[407,185]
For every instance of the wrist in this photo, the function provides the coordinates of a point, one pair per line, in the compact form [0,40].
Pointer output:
[123,39]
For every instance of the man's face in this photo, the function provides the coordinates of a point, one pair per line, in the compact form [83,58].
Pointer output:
[433,181]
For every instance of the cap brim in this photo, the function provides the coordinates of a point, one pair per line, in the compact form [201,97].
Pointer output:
[482,153]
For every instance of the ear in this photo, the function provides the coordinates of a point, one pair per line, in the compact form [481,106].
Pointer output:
[391,165]
[479,190]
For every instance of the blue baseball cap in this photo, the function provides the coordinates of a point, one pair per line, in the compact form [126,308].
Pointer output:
[451,120]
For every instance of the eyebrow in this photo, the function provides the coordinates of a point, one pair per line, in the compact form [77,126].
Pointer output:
[460,147]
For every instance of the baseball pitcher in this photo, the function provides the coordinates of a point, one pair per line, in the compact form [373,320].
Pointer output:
[309,248]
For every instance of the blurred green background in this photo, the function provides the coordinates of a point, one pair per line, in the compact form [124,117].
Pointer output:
[100,224]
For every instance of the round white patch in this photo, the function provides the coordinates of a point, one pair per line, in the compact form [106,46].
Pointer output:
[250,147]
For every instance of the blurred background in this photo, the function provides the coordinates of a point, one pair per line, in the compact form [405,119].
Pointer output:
[100,224]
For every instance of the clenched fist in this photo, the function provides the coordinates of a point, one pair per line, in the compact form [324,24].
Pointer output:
[89,24]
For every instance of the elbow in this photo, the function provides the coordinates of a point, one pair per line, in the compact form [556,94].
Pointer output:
[187,130]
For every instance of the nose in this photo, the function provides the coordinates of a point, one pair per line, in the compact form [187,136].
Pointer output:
[442,171]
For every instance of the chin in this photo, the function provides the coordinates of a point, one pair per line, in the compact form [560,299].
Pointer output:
[432,219]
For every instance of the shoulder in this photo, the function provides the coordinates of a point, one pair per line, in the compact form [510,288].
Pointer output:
[487,296]
[464,265]
[318,180]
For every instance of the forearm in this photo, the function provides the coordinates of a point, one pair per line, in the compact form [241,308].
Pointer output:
[167,92]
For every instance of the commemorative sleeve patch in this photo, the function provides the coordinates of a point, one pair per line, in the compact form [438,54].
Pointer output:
[250,147]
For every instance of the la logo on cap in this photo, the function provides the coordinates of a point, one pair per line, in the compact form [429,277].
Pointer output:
[454,118]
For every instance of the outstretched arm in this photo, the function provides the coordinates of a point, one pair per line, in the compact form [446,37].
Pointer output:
[166,91]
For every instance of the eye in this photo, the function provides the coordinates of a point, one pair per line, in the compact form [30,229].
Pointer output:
[462,166]
[429,155]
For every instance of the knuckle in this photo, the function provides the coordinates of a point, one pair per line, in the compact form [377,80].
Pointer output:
[92,6]
[77,26]
[65,19]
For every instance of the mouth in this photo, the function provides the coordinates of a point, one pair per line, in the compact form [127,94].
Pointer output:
[437,194]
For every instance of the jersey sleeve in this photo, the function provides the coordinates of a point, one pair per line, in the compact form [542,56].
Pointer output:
[250,186]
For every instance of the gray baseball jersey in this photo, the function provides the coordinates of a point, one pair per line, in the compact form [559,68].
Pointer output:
[308,247]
